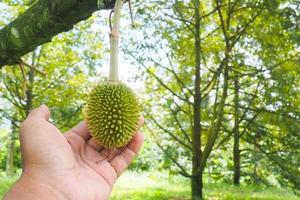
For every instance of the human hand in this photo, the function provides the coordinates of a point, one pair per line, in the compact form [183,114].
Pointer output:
[67,166]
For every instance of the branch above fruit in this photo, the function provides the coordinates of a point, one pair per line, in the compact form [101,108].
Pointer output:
[41,22]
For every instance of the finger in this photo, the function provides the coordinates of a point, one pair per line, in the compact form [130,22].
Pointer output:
[109,154]
[41,141]
[92,142]
[34,119]
[121,161]
[82,130]
[40,112]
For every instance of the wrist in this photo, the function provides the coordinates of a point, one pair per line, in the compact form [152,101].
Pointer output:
[29,188]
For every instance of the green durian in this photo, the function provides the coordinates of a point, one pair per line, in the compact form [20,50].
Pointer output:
[112,109]
[112,114]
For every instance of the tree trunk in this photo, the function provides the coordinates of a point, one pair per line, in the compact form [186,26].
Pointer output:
[41,22]
[196,136]
[197,187]
[9,167]
[29,91]
[236,134]
[256,159]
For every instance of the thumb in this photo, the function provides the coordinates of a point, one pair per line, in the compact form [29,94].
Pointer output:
[35,122]
[39,138]
[41,112]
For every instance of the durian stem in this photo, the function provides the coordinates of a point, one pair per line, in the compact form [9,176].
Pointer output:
[114,43]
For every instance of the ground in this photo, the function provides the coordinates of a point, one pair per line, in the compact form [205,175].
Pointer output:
[156,186]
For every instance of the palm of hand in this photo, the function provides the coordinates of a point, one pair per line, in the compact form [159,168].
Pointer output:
[72,162]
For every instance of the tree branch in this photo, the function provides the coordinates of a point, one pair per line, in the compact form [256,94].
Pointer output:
[240,32]
[174,113]
[180,82]
[168,132]
[40,23]
[161,82]
[10,118]
[207,89]
[183,170]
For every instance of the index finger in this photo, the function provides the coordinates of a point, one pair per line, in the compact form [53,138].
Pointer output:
[82,130]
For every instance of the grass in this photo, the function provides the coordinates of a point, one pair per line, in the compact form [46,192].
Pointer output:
[135,186]
[147,186]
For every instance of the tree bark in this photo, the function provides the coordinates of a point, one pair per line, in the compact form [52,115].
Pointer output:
[236,135]
[256,159]
[41,22]
[197,183]
[197,187]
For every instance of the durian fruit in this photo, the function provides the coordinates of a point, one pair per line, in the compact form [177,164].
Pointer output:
[112,110]
[112,113]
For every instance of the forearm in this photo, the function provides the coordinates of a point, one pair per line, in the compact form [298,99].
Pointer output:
[26,188]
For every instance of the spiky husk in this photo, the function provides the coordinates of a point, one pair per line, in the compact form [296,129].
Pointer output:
[112,113]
